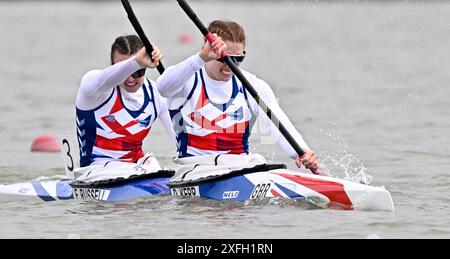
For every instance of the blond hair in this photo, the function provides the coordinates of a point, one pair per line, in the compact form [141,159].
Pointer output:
[228,30]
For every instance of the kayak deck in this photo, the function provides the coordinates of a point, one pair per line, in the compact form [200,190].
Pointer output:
[326,192]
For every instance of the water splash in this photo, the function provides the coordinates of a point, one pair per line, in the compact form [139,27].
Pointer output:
[338,161]
[345,165]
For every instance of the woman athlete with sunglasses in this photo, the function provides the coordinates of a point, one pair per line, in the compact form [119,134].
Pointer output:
[211,111]
[117,106]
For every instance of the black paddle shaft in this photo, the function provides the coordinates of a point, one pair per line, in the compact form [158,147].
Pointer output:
[138,28]
[188,10]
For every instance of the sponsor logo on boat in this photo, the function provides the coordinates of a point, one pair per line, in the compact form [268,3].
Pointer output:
[230,195]
[260,190]
[186,191]
[90,194]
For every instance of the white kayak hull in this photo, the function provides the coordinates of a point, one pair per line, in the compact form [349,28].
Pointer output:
[62,190]
[324,191]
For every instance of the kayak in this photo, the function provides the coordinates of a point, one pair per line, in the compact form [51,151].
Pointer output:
[271,182]
[112,182]
[219,177]
[64,190]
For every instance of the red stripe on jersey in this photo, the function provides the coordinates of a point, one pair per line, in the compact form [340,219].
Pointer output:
[202,101]
[207,124]
[117,104]
[139,137]
[115,126]
[128,143]
[131,123]
[117,144]
[133,156]
[204,123]
[231,142]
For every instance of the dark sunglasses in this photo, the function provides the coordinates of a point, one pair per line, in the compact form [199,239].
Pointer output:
[139,73]
[237,59]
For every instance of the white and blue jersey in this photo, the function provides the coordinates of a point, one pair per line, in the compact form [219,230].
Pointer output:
[204,127]
[111,122]
[114,132]
[217,117]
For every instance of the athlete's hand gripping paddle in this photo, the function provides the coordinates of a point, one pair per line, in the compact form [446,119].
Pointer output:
[210,37]
[138,28]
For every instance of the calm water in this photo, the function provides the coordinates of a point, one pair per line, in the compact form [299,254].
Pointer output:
[367,85]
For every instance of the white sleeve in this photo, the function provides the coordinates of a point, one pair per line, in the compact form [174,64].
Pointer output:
[268,96]
[166,120]
[96,85]
[172,82]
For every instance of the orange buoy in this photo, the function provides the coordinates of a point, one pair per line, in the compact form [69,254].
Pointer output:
[46,143]
[185,38]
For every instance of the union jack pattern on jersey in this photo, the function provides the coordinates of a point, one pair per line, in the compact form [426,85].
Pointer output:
[112,131]
[204,127]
